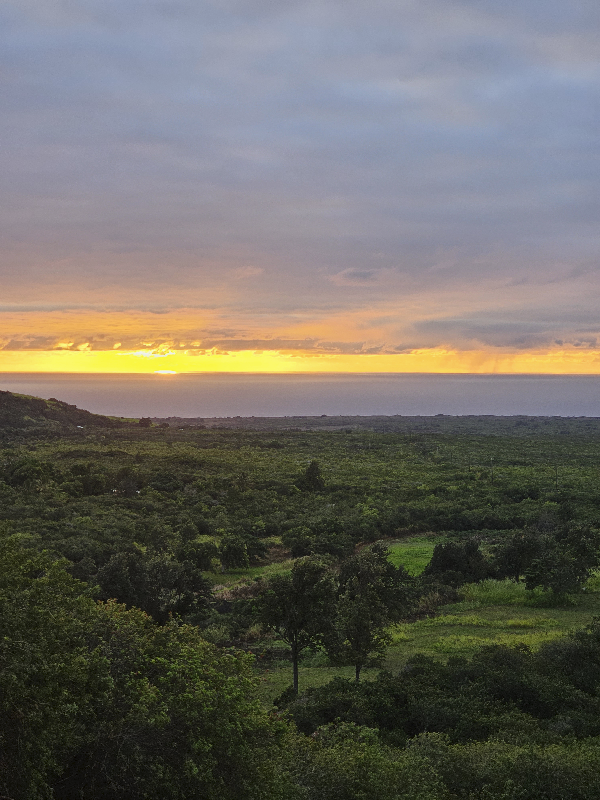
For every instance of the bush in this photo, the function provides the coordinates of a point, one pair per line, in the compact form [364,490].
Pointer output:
[348,762]
[233,552]
[456,563]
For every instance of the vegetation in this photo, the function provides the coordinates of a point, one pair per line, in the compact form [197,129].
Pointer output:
[160,583]
[371,595]
[298,607]
[100,702]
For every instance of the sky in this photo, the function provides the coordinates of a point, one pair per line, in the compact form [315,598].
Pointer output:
[299,186]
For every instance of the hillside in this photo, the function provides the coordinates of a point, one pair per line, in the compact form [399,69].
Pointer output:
[22,413]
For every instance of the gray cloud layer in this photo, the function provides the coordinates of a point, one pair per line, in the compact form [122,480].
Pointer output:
[304,156]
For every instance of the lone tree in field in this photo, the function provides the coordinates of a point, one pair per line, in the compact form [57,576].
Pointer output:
[297,606]
[372,595]
[456,563]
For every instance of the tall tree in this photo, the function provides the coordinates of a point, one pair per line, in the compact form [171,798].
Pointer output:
[177,720]
[312,479]
[372,594]
[297,606]
[46,670]
[556,557]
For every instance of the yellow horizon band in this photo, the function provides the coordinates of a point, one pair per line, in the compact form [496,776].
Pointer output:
[437,360]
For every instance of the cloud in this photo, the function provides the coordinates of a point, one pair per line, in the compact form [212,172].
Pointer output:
[262,166]
[31,342]
[357,277]
[248,272]
[514,334]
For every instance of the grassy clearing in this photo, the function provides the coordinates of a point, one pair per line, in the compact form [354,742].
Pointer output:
[234,576]
[276,566]
[274,679]
[492,612]
[414,554]
[502,593]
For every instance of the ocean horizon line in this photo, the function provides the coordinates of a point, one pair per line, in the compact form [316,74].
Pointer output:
[215,395]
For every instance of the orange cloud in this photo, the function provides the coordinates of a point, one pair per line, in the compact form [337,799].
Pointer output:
[423,334]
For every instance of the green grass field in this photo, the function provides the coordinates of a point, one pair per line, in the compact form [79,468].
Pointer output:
[482,619]
[493,612]
[415,553]
[233,576]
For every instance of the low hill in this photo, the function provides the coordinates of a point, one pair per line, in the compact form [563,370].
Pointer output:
[20,412]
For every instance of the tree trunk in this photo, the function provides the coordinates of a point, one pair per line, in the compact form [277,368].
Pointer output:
[357,669]
[295,667]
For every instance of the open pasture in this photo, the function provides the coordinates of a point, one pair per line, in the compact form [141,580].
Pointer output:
[493,612]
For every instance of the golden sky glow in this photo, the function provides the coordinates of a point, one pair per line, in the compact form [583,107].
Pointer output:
[433,361]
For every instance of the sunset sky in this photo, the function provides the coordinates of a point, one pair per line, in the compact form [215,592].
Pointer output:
[325,186]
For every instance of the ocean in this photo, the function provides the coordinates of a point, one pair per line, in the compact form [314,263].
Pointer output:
[247,395]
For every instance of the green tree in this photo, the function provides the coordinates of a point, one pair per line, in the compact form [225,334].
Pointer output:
[47,673]
[201,554]
[455,563]
[312,479]
[556,570]
[100,702]
[565,559]
[179,719]
[297,606]
[156,583]
[233,552]
[372,594]
[345,761]
[515,554]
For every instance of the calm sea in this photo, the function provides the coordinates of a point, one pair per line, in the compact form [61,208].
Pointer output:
[229,395]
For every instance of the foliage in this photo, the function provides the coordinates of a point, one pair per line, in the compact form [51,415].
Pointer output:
[233,552]
[103,700]
[513,771]
[565,561]
[507,693]
[200,554]
[47,674]
[156,583]
[348,762]
[178,721]
[298,606]
[558,557]
[312,479]
[456,563]
[371,594]
[100,702]
[516,553]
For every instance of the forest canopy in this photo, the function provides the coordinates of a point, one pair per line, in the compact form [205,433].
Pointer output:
[156,581]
